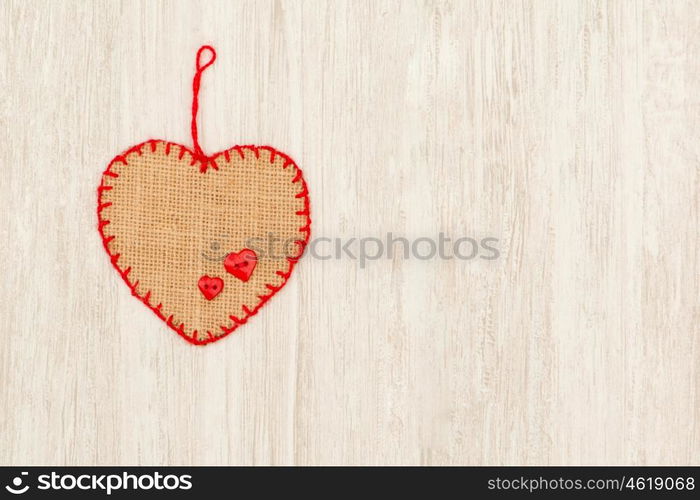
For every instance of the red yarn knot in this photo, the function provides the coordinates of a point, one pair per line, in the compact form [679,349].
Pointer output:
[195,93]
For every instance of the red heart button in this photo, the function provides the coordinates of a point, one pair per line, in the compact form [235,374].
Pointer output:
[210,287]
[241,264]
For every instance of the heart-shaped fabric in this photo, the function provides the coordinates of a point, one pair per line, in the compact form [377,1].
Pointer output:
[169,217]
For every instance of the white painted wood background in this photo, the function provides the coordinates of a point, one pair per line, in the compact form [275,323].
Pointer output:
[568,130]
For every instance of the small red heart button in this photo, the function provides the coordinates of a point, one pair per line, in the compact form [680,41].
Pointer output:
[210,287]
[241,264]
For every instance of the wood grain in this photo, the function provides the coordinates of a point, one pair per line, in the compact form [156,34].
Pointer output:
[567,130]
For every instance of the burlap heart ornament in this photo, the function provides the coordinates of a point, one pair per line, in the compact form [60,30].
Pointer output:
[203,240]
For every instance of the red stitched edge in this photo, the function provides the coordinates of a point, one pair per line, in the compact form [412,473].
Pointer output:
[145,298]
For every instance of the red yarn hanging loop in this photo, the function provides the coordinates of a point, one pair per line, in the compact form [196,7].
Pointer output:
[195,92]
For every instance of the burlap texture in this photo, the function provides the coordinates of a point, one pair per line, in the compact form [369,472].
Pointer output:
[173,224]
